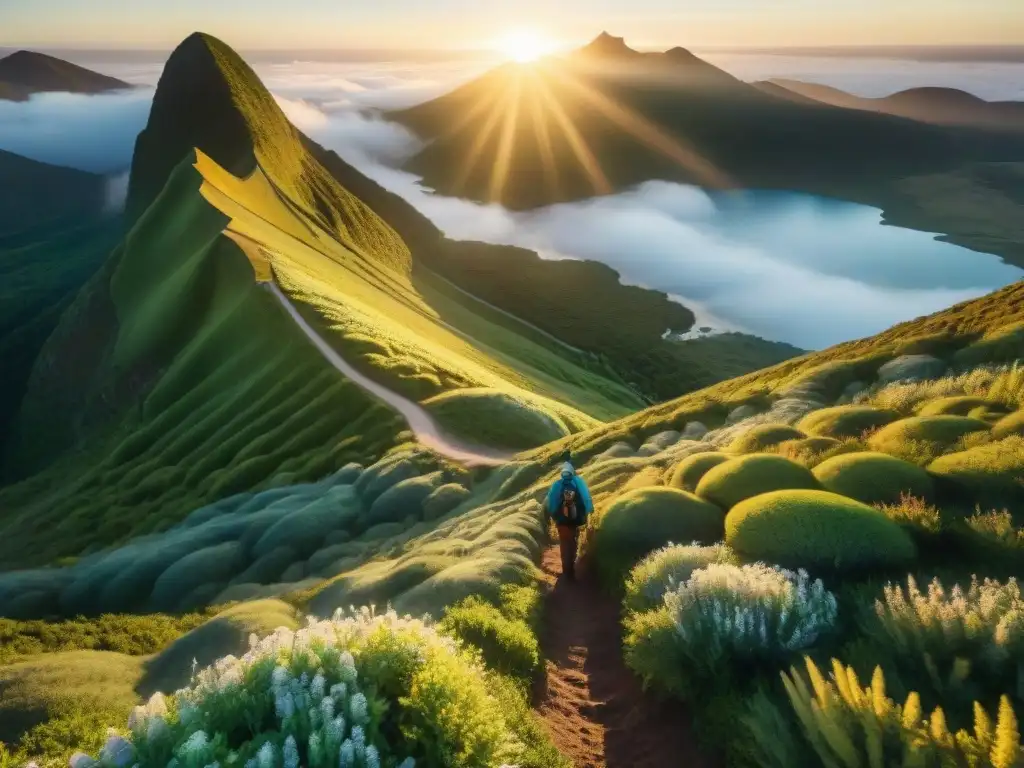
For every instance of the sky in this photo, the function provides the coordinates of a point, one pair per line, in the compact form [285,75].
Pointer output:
[479,24]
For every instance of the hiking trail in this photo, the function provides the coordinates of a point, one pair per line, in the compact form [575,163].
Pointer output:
[591,703]
[420,422]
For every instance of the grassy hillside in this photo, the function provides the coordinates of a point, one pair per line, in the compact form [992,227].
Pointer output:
[174,379]
[26,72]
[966,334]
[566,129]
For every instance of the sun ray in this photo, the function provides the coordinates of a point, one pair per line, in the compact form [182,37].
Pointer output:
[506,144]
[473,113]
[577,143]
[484,135]
[543,135]
[648,133]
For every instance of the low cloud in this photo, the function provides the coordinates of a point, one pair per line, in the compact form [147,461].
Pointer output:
[116,192]
[91,133]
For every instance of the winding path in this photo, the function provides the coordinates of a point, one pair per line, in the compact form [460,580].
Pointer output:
[420,422]
[592,704]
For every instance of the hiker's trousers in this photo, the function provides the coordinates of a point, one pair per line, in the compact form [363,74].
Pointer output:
[568,540]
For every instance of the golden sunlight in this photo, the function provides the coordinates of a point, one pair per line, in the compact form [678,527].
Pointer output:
[524,45]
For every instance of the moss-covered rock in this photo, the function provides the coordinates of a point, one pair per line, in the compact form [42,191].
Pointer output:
[960,405]
[935,431]
[443,500]
[1012,424]
[816,529]
[642,520]
[401,500]
[688,472]
[992,474]
[763,437]
[737,479]
[268,568]
[304,529]
[846,420]
[911,368]
[213,565]
[874,478]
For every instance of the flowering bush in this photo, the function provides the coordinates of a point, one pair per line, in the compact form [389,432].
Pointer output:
[668,567]
[842,723]
[357,691]
[724,616]
[954,646]
[985,621]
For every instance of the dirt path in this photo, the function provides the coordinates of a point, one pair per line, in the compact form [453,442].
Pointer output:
[420,422]
[593,706]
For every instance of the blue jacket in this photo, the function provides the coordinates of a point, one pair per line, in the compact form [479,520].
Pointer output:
[585,505]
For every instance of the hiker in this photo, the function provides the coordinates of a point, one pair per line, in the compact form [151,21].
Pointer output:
[569,505]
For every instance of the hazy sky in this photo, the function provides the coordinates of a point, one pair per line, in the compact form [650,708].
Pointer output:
[429,24]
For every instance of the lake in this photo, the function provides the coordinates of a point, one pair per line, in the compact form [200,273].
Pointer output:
[785,266]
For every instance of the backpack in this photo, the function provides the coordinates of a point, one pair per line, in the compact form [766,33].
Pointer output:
[569,496]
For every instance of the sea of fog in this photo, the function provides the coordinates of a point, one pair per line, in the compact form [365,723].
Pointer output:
[789,267]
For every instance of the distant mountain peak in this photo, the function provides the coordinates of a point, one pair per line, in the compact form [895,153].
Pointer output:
[608,46]
[24,73]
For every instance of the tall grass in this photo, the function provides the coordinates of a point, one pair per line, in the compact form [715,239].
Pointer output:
[1002,384]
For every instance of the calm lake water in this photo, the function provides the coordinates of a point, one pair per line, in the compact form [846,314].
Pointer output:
[785,266]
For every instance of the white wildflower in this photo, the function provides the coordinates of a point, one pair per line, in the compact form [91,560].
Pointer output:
[266,757]
[347,754]
[358,709]
[291,753]
[81,760]
[317,687]
[117,751]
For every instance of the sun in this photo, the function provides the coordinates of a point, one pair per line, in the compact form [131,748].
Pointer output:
[524,45]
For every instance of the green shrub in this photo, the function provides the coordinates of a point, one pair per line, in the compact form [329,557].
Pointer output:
[874,478]
[401,500]
[991,473]
[508,645]
[957,405]
[134,635]
[741,478]
[688,472]
[776,613]
[645,519]
[213,565]
[666,568]
[764,436]
[913,513]
[493,417]
[997,527]
[846,420]
[385,473]
[905,438]
[1009,425]
[393,688]
[443,500]
[802,528]
[844,724]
